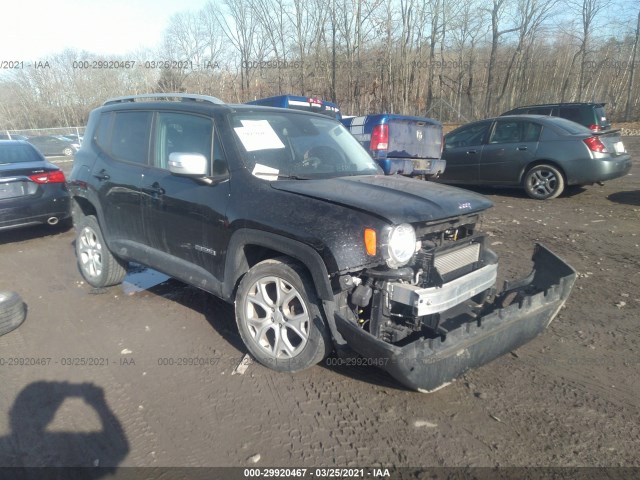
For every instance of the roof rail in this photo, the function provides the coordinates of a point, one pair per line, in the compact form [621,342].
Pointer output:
[184,97]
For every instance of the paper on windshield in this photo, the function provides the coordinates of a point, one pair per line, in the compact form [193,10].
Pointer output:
[265,173]
[258,135]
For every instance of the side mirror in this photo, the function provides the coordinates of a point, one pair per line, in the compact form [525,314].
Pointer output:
[188,164]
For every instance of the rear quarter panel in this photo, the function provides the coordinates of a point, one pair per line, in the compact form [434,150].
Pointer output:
[568,153]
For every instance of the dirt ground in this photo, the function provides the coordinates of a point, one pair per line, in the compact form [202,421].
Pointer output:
[136,376]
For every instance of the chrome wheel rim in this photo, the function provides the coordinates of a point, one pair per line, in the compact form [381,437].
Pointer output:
[277,317]
[542,183]
[90,252]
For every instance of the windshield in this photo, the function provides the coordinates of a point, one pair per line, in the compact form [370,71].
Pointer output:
[285,145]
[13,153]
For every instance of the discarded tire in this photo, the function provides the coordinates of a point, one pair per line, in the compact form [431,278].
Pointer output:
[12,311]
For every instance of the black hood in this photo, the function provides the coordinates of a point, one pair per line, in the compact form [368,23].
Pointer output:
[395,198]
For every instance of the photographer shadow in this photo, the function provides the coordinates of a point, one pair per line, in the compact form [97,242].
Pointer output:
[94,454]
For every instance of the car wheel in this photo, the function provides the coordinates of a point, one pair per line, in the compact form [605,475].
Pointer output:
[99,267]
[544,182]
[278,316]
[12,311]
[68,151]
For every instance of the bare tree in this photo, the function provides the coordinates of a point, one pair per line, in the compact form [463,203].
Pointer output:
[531,17]
[497,14]
[627,109]
[589,11]
[466,29]
[436,9]
[272,16]
[240,25]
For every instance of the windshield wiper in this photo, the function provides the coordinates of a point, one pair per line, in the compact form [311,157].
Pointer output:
[292,177]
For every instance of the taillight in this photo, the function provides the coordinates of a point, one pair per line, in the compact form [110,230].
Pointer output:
[49,177]
[380,137]
[595,128]
[595,145]
[314,102]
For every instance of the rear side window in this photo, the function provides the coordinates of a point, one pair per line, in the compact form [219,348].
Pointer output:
[540,111]
[130,137]
[101,136]
[530,132]
[601,116]
[581,115]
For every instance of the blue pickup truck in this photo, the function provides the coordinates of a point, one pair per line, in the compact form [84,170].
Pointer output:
[401,144]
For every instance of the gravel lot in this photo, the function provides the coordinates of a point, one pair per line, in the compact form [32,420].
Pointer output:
[137,376]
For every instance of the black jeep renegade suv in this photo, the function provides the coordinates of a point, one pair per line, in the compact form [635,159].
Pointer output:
[284,213]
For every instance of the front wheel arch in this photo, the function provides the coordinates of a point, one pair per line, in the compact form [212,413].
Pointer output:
[238,263]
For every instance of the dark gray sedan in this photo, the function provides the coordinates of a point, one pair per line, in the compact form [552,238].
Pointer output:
[32,190]
[542,154]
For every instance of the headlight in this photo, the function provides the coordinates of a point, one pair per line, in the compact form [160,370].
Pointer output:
[401,245]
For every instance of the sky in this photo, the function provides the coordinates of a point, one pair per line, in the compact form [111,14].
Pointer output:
[33,29]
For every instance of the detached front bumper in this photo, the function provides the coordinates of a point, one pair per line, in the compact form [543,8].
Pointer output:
[429,364]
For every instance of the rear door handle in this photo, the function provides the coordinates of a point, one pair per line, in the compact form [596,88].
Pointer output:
[102,175]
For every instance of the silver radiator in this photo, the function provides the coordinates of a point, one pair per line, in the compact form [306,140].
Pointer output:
[450,261]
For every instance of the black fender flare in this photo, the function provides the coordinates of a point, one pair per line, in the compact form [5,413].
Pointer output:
[236,265]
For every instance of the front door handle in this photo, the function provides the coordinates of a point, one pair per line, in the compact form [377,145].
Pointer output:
[522,148]
[471,152]
[155,189]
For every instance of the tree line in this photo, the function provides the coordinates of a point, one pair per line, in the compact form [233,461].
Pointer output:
[453,60]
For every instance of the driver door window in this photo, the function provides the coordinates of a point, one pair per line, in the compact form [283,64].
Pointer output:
[184,133]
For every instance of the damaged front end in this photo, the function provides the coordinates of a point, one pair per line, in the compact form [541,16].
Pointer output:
[433,319]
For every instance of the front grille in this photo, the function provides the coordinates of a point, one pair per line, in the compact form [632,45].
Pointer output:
[451,261]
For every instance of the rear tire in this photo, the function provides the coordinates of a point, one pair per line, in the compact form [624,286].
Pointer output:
[12,311]
[99,267]
[278,316]
[544,182]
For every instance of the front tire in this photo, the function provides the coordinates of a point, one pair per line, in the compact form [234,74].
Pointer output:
[278,316]
[67,152]
[544,182]
[99,267]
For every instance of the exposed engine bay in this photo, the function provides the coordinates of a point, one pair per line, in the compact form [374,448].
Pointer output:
[447,283]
